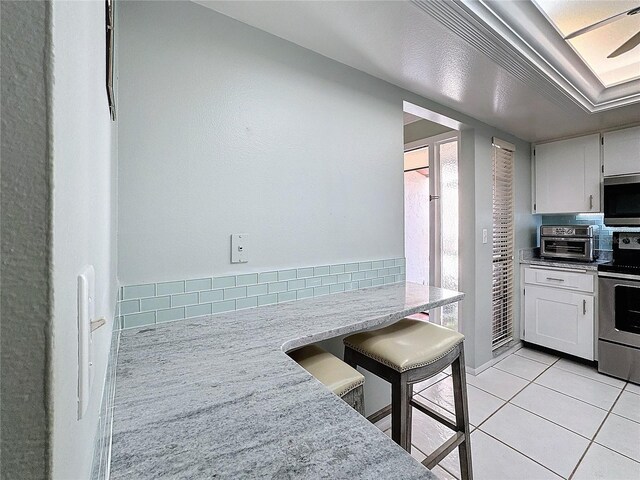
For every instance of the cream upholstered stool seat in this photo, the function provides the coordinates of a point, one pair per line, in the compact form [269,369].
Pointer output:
[409,352]
[343,380]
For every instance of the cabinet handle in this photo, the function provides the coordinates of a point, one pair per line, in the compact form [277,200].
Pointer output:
[584,307]
[590,202]
[556,279]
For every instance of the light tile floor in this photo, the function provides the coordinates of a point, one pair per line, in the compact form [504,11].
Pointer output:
[536,416]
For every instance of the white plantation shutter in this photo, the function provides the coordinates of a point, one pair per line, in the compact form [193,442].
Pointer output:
[503,243]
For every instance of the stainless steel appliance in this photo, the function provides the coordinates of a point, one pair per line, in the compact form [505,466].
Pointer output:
[622,200]
[619,309]
[569,242]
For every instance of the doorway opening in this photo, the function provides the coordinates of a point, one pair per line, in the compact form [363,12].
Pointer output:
[431,207]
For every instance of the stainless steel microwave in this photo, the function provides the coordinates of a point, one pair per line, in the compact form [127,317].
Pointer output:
[622,201]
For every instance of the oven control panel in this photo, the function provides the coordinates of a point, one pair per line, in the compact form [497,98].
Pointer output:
[629,241]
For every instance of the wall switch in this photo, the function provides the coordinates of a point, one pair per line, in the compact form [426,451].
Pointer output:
[86,313]
[485,238]
[239,248]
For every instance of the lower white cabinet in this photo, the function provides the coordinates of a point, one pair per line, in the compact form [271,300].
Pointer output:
[558,317]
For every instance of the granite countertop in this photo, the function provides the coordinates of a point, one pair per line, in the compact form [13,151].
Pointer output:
[216,397]
[548,262]
[531,256]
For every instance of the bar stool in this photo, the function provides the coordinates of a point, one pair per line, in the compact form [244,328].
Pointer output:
[409,352]
[343,380]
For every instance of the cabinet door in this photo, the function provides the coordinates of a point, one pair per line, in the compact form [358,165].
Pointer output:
[560,320]
[622,152]
[567,176]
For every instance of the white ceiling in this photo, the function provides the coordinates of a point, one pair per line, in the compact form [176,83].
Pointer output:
[408,44]
[408,118]
[594,47]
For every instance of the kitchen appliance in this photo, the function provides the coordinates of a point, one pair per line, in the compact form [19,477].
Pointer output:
[569,242]
[619,309]
[622,200]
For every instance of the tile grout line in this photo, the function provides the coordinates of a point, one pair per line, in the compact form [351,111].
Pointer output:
[573,472]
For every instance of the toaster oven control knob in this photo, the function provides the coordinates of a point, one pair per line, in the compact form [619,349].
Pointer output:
[626,241]
[637,239]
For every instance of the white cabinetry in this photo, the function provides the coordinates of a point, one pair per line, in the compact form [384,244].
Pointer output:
[559,310]
[567,176]
[621,153]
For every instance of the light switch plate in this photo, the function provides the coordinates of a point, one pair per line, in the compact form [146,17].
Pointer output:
[86,313]
[485,235]
[239,248]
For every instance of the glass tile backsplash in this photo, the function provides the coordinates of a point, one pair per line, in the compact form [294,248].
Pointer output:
[605,234]
[151,303]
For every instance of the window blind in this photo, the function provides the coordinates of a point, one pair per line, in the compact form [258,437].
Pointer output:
[503,243]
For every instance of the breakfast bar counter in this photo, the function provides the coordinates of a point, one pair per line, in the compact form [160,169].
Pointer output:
[217,397]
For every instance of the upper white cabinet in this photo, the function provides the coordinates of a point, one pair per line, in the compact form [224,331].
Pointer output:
[621,153]
[567,176]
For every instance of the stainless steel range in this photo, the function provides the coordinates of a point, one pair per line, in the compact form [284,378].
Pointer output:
[619,309]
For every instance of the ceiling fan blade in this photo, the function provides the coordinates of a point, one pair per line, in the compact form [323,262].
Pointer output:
[602,23]
[630,44]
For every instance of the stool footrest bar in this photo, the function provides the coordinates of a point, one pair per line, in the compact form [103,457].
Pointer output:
[445,449]
[433,414]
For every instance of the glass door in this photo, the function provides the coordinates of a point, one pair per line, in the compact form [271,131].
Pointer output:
[444,217]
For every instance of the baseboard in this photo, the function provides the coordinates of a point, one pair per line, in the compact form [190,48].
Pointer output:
[478,370]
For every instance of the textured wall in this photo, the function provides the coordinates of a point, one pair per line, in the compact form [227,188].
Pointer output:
[25,202]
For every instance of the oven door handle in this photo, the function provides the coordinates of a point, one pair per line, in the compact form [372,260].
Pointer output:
[621,276]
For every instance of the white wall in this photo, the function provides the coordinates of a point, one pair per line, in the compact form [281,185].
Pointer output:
[83,221]
[225,129]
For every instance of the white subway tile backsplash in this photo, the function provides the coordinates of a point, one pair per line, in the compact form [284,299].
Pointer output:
[146,304]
